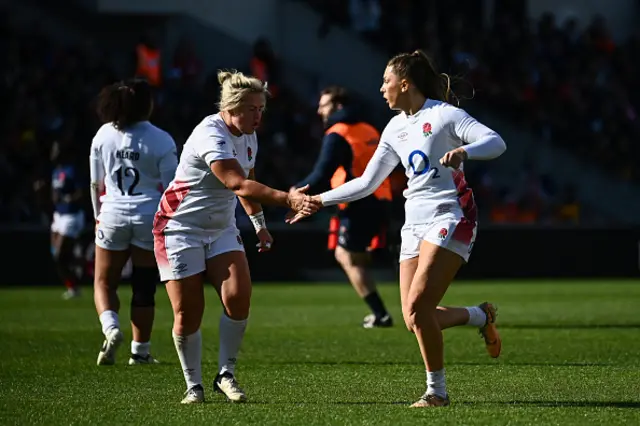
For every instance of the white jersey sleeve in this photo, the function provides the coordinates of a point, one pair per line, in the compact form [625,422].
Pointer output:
[96,173]
[212,144]
[480,142]
[382,163]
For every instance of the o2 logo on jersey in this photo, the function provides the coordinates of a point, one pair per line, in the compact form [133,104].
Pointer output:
[419,164]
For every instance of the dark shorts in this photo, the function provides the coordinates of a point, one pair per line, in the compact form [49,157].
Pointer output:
[360,230]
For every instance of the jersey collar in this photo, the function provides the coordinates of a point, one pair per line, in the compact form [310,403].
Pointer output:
[414,117]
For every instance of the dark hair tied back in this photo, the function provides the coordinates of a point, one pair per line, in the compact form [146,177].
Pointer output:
[125,103]
[420,70]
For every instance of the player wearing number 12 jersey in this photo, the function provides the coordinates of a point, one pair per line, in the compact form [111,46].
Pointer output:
[431,139]
[135,161]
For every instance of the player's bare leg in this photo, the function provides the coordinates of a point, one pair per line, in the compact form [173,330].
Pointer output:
[229,273]
[187,300]
[482,316]
[355,265]
[108,270]
[435,270]
[143,285]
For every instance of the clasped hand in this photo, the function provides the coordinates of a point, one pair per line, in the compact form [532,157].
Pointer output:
[301,204]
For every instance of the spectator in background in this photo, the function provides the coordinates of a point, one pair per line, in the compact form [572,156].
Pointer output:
[148,61]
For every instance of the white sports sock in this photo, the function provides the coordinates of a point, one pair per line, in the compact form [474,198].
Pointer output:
[190,353]
[436,383]
[109,321]
[140,348]
[477,317]
[231,335]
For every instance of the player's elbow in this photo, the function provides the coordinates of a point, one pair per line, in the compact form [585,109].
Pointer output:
[238,185]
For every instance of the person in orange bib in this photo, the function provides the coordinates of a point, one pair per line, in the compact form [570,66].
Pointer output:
[347,146]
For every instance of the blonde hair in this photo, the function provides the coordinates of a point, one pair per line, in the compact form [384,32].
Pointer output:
[234,86]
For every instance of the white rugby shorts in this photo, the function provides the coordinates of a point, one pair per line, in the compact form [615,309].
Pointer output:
[116,231]
[68,224]
[181,254]
[456,235]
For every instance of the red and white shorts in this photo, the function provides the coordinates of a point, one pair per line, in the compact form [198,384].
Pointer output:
[456,235]
[181,254]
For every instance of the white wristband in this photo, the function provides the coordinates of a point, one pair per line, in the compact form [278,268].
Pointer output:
[258,221]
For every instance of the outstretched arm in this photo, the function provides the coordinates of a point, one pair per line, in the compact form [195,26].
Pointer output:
[213,147]
[230,173]
[335,152]
[360,187]
[380,166]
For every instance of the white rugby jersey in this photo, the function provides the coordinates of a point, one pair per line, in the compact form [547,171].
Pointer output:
[418,141]
[196,198]
[136,165]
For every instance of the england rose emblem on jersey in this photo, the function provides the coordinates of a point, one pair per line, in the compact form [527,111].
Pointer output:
[426,129]
[442,235]
[249,153]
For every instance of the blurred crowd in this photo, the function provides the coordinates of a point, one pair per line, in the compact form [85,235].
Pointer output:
[574,88]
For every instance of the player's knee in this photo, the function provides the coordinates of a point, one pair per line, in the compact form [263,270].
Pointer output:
[417,314]
[237,302]
[143,284]
[185,324]
[346,257]
[409,318]
[237,308]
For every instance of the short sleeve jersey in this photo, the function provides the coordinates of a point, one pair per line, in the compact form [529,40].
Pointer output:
[196,198]
[134,160]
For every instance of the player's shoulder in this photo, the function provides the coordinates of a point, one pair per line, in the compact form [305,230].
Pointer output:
[394,126]
[162,137]
[106,132]
[447,112]
[212,125]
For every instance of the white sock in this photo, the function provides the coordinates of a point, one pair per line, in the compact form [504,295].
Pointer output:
[231,335]
[477,317]
[190,353]
[436,383]
[140,348]
[109,321]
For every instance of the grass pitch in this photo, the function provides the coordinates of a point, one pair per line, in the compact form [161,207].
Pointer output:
[571,355]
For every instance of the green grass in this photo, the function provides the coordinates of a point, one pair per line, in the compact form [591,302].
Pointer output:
[571,355]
